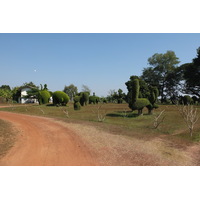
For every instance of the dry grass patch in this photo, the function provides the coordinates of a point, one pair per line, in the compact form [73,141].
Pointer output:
[119,150]
[7,137]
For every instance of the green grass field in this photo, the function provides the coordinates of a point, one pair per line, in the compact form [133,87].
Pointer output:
[118,119]
[124,138]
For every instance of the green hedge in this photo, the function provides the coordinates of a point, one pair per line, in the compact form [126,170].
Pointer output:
[60,98]
[84,98]
[77,99]
[44,97]
[77,106]
[140,104]
[94,99]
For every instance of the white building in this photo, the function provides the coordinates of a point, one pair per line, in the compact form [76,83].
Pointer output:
[23,99]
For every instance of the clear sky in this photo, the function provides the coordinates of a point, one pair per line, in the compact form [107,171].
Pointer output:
[100,61]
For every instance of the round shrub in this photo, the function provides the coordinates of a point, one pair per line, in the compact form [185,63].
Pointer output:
[77,106]
[187,100]
[195,100]
[44,97]
[60,98]
[77,99]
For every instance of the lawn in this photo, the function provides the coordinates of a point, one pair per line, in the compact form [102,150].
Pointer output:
[124,138]
[119,119]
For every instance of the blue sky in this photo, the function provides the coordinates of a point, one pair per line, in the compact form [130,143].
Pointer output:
[100,61]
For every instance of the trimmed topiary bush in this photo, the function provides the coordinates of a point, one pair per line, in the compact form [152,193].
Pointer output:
[153,95]
[94,100]
[77,106]
[60,98]
[140,104]
[77,99]
[195,100]
[155,106]
[187,100]
[44,97]
[136,103]
[84,98]
[136,90]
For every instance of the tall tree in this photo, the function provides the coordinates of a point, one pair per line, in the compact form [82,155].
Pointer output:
[162,73]
[191,75]
[71,91]
[6,94]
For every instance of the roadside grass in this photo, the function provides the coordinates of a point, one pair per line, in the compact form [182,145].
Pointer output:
[125,138]
[118,117]
[7,137]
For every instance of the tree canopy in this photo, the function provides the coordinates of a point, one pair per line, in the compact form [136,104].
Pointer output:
[162,73]
[191,75]
[71,91]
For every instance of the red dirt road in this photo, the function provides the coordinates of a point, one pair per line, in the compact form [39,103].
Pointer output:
[44,142]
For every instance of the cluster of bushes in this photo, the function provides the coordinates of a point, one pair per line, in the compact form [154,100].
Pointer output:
[94,100]
[103,100]
[187,100]
[183,100]
[116,97]
[43,96]
[83,98]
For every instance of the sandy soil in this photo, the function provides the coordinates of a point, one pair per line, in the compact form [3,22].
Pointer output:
[44,142]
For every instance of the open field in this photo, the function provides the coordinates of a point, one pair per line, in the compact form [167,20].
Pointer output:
[124,138]
[118,115]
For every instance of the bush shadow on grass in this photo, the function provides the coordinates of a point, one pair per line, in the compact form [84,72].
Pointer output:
[122,115]
[50,104]
[128,114]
